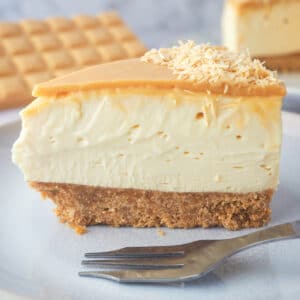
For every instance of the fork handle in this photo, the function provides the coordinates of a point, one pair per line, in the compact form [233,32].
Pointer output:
[271,234]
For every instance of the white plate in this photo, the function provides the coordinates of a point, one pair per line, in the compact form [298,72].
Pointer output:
[291,79]
[40,257]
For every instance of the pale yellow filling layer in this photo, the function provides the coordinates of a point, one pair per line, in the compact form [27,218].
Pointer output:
[168,142]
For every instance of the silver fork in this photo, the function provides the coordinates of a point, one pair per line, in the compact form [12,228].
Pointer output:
[178,263]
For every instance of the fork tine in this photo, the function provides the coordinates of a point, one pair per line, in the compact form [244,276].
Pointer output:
[96,274]
[131,264]
[139,252]
[146,276]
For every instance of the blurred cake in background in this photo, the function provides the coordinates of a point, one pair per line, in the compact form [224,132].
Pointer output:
[268,28]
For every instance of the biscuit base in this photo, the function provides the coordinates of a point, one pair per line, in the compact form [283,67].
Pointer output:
[81,205]
[289,62]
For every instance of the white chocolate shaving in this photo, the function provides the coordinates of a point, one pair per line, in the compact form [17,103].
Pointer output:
[212,64]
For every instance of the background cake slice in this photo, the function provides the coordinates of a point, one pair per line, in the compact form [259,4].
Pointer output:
[269,29]
[183,137]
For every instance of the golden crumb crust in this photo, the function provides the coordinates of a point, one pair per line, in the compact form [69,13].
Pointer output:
[284,63]
[191,67]
[81,205]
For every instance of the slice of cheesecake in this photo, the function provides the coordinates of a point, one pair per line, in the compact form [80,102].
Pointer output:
[269,29]
[183,137]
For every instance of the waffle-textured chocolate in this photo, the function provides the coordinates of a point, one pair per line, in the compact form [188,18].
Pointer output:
[33,51]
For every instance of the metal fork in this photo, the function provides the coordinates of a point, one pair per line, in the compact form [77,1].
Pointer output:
[164,264]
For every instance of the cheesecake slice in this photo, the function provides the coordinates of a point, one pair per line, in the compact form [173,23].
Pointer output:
[269,29]
[182,137]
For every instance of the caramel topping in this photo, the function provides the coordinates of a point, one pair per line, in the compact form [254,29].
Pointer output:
[243,5]
[214,71]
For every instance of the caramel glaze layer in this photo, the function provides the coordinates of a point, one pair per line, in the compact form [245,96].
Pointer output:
[242,6]
[133,73]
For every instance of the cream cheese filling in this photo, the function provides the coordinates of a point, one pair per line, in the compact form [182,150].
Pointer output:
[269,31]
[168,142]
